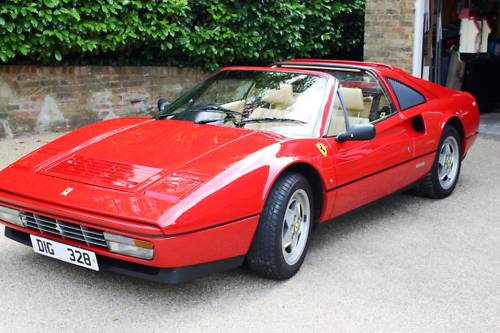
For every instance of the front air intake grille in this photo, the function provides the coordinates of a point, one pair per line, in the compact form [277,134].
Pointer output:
[44,224]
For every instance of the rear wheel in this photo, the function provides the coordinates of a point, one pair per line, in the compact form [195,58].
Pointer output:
[281,240]
[442,179]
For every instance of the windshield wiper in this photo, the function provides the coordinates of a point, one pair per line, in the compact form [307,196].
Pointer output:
[255,120]
[214,108]
[270,120]
[163,116]
[207,121]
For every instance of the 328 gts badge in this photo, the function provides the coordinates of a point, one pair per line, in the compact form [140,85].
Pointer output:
[67,191]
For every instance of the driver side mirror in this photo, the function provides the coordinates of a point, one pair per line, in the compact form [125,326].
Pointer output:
[357,133]
[162,104]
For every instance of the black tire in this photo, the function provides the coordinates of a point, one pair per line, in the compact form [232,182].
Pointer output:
[430,186]
[265,256]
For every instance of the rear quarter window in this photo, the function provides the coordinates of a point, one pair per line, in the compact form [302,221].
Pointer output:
[407,96]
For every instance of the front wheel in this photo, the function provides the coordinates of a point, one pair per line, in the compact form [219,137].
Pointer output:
[443,178]
[281,240]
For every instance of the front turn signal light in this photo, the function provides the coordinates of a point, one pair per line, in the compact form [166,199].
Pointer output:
[11,215]
[129,246]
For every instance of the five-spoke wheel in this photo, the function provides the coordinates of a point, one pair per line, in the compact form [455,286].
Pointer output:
[449,158]
[280,242]
[295,224]
[442,179]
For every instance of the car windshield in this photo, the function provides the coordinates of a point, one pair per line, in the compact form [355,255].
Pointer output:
[287,103]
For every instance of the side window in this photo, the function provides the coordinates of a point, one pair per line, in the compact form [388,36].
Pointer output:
[337,121]
[407,96]
[364,98]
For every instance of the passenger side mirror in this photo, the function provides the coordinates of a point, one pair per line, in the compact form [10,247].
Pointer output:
[162,104]
[357,133]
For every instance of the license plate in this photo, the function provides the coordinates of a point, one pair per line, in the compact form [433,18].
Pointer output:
[67,253]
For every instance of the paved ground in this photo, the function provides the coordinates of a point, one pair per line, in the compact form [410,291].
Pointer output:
[490,125]
[406,264]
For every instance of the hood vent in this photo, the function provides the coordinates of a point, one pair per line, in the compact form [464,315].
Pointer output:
[103,173]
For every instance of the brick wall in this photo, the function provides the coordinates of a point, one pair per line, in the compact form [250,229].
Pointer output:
[37,99]
[389,27]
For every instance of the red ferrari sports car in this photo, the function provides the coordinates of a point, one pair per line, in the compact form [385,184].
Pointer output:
[238,170]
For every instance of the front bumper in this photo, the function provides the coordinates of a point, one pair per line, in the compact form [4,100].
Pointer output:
[228,240]
[156,274]
[176,258]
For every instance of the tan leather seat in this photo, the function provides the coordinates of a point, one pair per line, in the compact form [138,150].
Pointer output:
[282,97]
[337,124]
[354,102]
[367,103]
[236,106]
[357,121]
[279,101]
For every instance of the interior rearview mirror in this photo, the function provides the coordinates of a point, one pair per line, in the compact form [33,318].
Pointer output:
[162,104]
[357,133]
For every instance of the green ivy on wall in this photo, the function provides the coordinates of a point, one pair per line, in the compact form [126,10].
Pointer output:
[205,33]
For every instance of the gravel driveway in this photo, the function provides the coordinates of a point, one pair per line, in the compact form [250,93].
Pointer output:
[405,264]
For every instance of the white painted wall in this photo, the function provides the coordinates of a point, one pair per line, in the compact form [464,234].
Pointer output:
[418,40]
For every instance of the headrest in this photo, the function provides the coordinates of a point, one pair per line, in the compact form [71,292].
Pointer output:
[352,98]
[282,97]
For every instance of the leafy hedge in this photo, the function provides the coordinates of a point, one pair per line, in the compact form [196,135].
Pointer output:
[206,33]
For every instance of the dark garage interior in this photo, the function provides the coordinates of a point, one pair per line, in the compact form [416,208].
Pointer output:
[462,48]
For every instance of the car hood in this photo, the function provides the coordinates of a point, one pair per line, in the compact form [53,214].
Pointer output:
[133,158]
[135,169]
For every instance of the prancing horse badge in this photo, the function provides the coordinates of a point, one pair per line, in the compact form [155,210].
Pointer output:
[322,149]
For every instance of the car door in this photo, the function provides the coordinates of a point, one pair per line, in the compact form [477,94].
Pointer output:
[368,170]
[414,106]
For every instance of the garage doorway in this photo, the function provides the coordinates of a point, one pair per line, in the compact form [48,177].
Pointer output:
[457,44]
